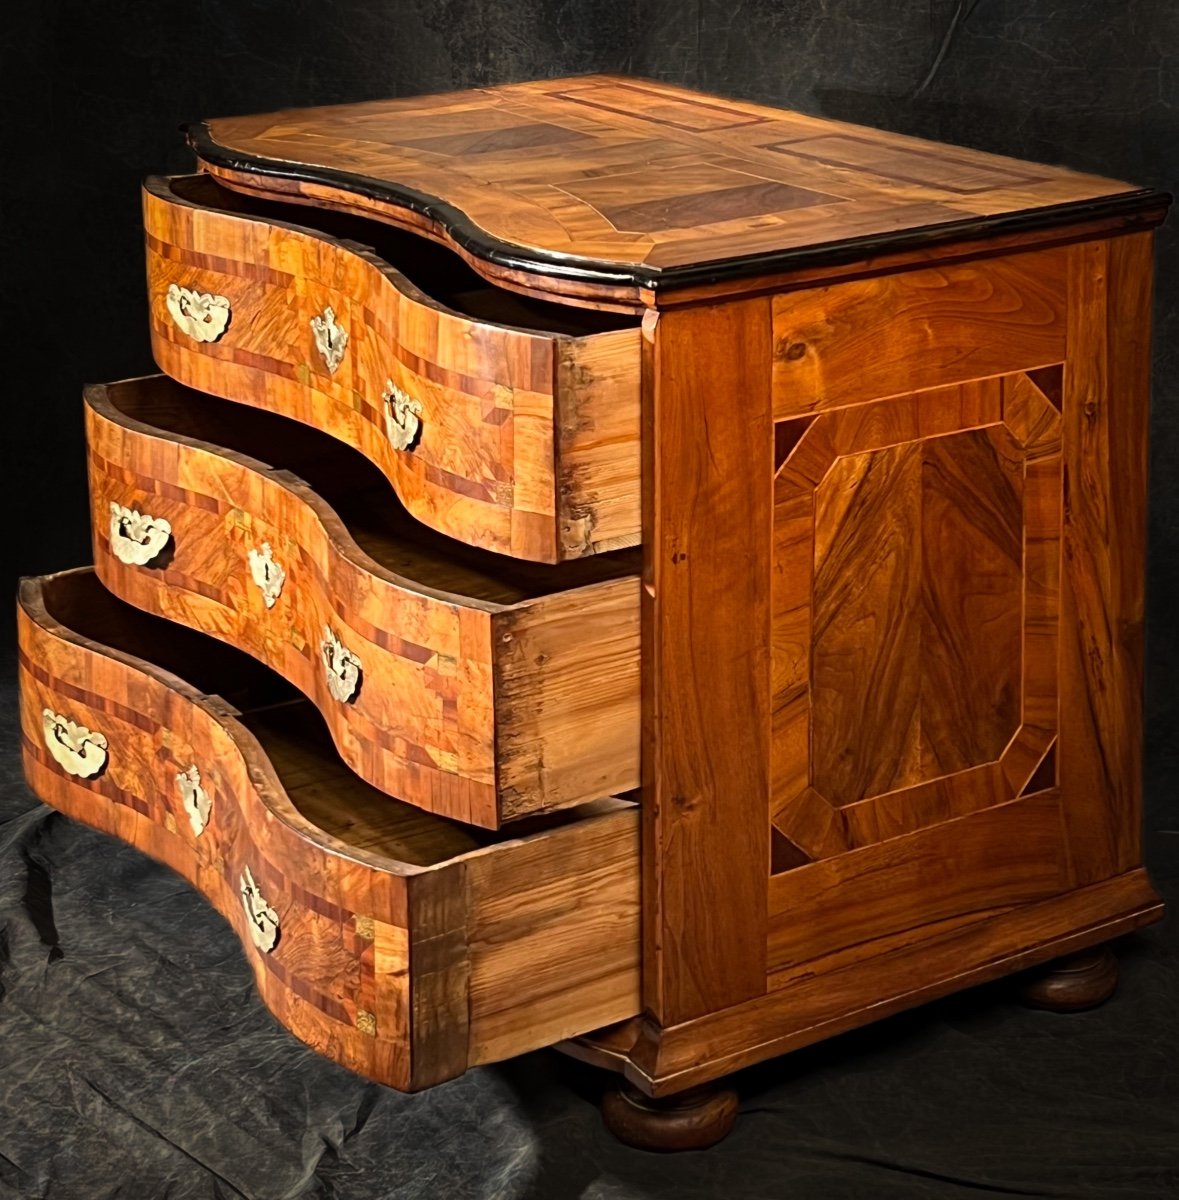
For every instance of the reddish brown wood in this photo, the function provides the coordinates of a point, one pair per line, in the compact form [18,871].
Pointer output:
[1073,984]
[691,1120]
[706,627]
[1106,399]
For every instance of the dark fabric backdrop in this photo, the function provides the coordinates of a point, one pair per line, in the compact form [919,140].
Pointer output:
[135,1060]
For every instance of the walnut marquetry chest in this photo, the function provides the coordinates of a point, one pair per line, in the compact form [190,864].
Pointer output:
[610,566]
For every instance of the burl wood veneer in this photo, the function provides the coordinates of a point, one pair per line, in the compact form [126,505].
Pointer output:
[891,408]
[524,434]
[403,945]
[485,689]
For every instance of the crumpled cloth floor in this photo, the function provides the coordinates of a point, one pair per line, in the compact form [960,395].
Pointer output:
[137,1062]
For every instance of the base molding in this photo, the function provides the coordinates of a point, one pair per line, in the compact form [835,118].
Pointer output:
[810,1002]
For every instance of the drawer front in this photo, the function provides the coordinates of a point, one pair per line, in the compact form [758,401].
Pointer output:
[405,973]
[478,711]
[520,442]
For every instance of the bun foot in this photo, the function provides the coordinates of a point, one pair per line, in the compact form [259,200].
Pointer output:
[1074,983]
[692,1120]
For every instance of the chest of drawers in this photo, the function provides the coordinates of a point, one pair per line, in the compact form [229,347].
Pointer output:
[621,568]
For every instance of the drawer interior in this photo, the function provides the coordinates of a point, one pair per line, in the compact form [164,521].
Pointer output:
[360,495]
[436,271]
[289,728]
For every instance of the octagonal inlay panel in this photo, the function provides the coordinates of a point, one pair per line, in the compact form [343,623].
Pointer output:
[916,659]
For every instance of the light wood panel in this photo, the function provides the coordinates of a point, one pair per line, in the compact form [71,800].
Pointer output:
[528,440]
[489,689]
[407,969]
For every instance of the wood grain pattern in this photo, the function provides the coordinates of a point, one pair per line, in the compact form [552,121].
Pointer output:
[1106,395]
[409,947]
[916,586]
[619,181]
[529,434]
[706,657]
[906,331]
[821,999]
[490,689]
[1005,855]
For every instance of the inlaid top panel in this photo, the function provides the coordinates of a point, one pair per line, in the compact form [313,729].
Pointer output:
[612,182]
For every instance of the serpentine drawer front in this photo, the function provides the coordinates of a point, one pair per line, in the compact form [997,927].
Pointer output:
[508,423]
[476,686]
[405,946]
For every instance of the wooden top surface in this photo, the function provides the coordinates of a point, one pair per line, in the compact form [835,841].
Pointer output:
[613,181]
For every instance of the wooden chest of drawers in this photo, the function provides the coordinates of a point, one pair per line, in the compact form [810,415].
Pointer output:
[611,566]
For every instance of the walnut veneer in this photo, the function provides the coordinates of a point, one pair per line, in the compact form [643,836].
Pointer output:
[478,674]
[877,410]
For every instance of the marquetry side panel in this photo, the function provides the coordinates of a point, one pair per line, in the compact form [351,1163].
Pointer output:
[955,560]
[432,720]
[916,586]
[484,466]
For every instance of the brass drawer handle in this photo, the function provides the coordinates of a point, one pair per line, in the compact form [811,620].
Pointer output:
[261,918]
[202,315]
[196,800]
[267,574]
[403,416]
[137,538]
[76,749]
[331,340]
[341,667]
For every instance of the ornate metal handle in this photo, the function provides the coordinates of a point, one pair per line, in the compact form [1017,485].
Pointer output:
[341,667]
[202,315]
[267,574]
[261,918]
[196,800]
[331,340]
[137,538]
[403,416]
[76,749]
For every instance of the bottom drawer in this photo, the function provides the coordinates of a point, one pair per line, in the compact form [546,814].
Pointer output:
[401,944]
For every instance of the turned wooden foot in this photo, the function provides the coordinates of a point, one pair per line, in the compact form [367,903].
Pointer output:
[692,1120]
[1074,983]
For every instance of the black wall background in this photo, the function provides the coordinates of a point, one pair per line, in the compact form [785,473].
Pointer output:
[93,95]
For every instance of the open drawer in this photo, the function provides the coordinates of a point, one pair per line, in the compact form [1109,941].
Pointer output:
[474,685]
[403,945]
[506,422]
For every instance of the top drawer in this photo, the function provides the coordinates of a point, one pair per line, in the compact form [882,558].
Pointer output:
[509,423]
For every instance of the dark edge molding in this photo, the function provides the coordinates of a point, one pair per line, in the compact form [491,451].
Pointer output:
[468,236]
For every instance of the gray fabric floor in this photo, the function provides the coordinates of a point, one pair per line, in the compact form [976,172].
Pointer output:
[136,1062]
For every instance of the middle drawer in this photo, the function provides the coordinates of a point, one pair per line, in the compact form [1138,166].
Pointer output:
[475,686]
